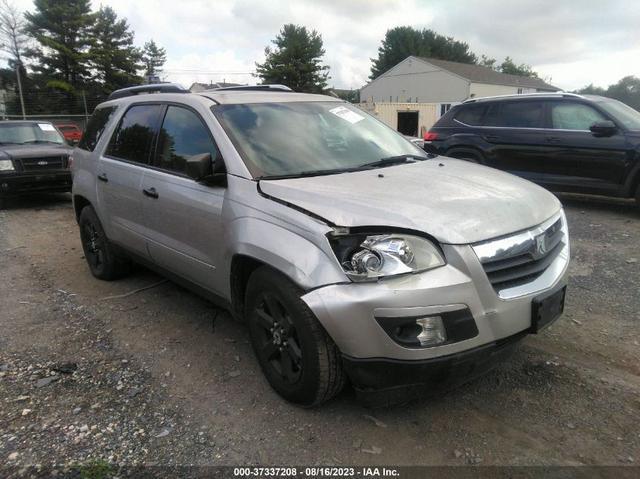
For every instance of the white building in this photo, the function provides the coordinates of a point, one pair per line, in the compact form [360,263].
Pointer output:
[437,83]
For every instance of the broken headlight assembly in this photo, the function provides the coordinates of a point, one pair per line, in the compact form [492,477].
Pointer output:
[366,257]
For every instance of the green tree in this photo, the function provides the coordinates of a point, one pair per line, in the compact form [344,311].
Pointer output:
[508,66]
[296,61]
[153,58]
[62,30]
[485,61]
[114,59]
[402,42]
[627,90]
[591,89]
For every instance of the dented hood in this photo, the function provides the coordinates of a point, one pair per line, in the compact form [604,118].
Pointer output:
[456,202]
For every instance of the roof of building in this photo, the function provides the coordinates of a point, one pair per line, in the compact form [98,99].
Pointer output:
[480,74]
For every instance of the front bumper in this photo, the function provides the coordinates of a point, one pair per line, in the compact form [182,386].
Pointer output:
[351,313]
[441,373]
[15,184]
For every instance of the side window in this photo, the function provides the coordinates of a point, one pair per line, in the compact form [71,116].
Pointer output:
[517,114]
[183,134]
[574,116]
[133,139]
[471,114]
[95,127]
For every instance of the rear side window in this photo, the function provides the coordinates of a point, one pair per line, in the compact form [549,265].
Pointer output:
[574,116]
[183,135]
[520,114]
[134,136]
[95,127]
[471,114]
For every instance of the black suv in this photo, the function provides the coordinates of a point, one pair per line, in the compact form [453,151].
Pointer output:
[34,157]
[563,141]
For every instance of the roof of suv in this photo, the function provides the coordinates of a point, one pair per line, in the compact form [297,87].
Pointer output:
[254,96]
[529,96]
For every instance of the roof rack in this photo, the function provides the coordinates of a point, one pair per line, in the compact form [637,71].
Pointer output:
[152,88]
[524,95]
[253,88]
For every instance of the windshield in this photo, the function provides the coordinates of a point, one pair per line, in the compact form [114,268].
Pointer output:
[300,138]
[21,133]
[624,114]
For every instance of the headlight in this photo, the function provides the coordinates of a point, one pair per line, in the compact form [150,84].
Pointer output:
[369,257]
[6,165]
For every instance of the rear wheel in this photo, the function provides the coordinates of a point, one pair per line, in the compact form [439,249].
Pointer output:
[299,359]
[100,254]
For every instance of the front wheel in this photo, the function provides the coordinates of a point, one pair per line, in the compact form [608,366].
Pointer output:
[297,356]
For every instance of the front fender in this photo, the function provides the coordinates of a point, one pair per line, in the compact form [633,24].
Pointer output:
[306,264]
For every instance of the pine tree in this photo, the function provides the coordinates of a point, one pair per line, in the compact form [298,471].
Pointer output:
[296,61]
[154,58]
[114,59]
[62,30]
[402,42]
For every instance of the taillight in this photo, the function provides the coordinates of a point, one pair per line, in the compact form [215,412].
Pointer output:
[430,136]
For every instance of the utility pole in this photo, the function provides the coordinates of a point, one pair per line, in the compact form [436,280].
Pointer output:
[86,113]
[18,65]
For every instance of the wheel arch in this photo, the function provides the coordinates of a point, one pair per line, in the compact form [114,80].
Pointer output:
[79,202]
[459,151]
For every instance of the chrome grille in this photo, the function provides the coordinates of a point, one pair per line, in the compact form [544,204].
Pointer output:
[44,163]
[522,258]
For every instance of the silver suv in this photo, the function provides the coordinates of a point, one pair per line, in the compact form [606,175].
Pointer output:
[350,252]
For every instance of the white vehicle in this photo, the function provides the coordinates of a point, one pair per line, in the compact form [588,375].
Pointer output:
[351,253]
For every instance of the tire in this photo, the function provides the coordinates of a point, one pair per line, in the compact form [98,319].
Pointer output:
[298,358]
[100,254]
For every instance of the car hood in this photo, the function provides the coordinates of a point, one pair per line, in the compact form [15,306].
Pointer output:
[34,150]
[454,201]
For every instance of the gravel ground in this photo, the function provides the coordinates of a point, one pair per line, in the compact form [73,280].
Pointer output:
[161,377]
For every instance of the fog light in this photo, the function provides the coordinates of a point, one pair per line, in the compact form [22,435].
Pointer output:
[433,331]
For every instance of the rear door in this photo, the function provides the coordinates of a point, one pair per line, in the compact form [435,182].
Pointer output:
[183,217]
[578,159]
[515,131]
[120,173]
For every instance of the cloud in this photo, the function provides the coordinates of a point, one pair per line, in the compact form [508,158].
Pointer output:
[572,43]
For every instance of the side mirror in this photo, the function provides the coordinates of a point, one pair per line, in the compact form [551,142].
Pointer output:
[203,169]
[603,128]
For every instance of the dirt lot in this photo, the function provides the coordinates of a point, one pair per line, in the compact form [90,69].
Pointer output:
[148,379]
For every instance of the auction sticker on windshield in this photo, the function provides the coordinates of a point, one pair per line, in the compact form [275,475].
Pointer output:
[46,127]
[346,114]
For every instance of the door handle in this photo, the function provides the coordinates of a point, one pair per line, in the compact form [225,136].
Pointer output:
[553,139]
[103,177]
[150,192]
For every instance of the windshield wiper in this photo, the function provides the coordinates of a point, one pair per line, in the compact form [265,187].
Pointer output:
[304,174]
[39,141]
[393,160]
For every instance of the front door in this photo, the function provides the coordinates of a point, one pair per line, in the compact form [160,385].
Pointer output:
[120,172]
[578,159]
[183,217]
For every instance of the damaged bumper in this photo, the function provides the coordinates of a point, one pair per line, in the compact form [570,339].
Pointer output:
[480,326]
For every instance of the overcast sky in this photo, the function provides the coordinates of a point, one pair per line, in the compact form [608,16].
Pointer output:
[569,43]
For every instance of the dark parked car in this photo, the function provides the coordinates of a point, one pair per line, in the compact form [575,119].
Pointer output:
[563,141]
[34,157]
